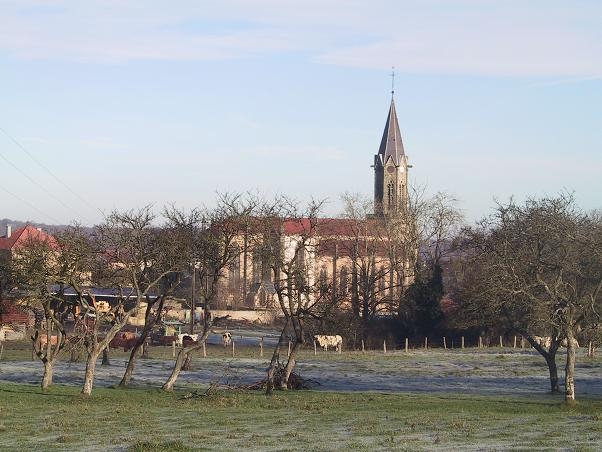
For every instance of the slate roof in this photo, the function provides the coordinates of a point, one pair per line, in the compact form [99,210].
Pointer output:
[391,143]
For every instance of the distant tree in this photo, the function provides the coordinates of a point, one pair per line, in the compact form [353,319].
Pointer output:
[382,252]
[397,259]
[433,224]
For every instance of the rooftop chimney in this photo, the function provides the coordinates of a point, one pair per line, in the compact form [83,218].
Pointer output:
[9,231]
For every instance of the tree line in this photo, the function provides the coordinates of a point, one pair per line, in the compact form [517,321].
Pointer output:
[532,268]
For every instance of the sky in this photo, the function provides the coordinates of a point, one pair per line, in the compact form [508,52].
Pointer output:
[117,104]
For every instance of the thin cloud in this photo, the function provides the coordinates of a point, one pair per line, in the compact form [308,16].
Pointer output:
[486,37]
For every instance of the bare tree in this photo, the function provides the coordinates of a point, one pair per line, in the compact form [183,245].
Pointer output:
[392,252]
[216,235]
[46,267]
[377,249]
[543,262]
[288,240]
[171,247]
[126,247]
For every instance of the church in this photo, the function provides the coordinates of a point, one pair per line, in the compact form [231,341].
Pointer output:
[361,262]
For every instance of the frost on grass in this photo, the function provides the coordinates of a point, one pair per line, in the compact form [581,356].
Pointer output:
[485,373]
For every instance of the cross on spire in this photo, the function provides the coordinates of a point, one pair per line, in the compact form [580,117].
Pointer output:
[392,81]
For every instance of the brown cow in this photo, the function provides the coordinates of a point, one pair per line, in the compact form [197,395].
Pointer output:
[187,341]
[125,339]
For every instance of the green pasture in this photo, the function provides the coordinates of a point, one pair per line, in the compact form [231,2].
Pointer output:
[193,418]
[148,419]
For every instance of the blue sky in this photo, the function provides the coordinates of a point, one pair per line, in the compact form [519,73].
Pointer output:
[136,102]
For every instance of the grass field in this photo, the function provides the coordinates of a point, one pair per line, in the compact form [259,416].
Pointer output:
[439,400]
[138,419]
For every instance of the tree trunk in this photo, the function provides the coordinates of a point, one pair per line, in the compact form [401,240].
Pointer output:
[175,373]
[274,362]
[90,370]
[550,357]
[149,323]
[129,370]
[553,370]
[187,364]
[105,357]
[183,356]
[290,366]
[48,373]
[570,370]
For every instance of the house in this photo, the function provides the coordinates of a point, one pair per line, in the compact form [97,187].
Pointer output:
[10,311]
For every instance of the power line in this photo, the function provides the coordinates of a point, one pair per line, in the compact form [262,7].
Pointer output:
[44,214]
[45,168]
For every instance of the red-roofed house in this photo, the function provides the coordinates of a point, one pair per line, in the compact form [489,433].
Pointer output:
[12,240]
[10,311]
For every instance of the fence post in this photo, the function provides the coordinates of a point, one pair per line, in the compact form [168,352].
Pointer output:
[426,343]
[173,349]
[385,346]
[501,343]
[462,342]
[315,349]
[363,348]
[514,342]
[289,350]
[261,347]
[407,344]
[204,349]
[444,343]
[232,348]
[480,341]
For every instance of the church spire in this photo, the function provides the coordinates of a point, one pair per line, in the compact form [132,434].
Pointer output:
[391,144]
[390,166]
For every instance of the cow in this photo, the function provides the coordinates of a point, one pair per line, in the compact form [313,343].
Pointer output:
[329,341]
[546,341]
[543,341]
[44,340]
[226,338]
[189,340]
[180,338]
[125,339]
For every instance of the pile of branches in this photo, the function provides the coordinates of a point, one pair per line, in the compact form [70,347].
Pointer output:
[295,381]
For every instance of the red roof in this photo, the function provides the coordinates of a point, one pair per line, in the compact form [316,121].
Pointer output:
[323,227]
[21,235]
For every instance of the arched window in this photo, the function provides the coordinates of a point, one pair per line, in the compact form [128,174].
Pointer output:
[235,273]
[323,280]
[381,279]
[343,281]
[390,195]
[256,267]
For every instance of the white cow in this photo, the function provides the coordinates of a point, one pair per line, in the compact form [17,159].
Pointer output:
[546,341]
[329,341]
[543,341]
[226,338]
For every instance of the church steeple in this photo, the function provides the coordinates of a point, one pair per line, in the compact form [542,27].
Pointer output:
[390,168]
[391,144]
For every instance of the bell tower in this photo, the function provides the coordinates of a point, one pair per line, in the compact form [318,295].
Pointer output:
[390,169]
